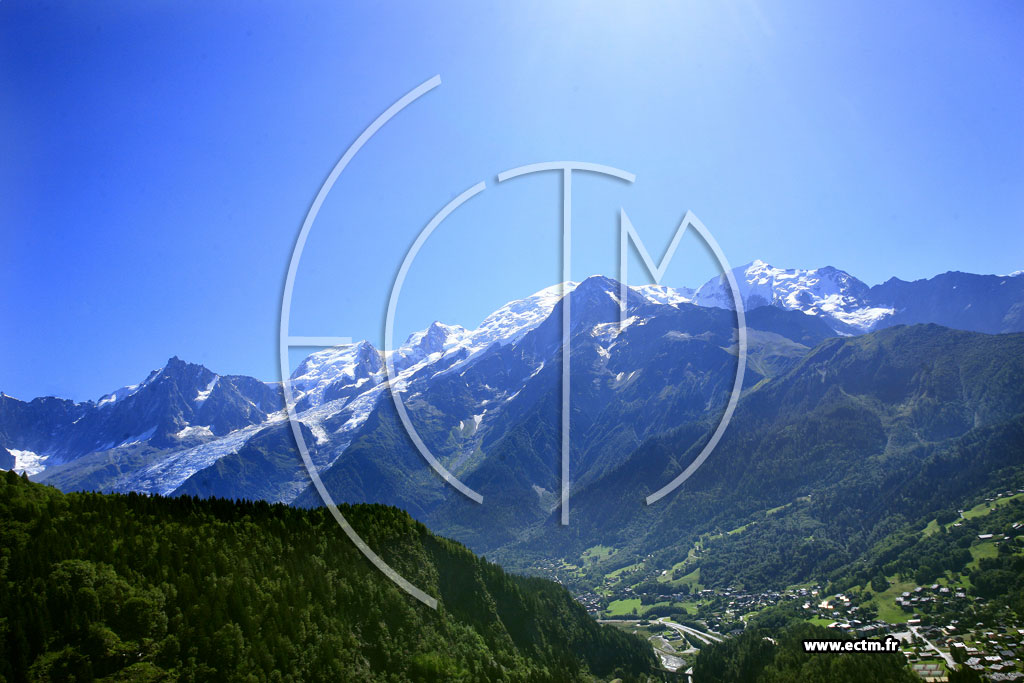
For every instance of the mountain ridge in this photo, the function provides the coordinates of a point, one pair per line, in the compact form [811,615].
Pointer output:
[183,419]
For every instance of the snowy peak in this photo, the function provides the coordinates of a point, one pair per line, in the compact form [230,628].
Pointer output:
[598,299]
[828,292]
[186,376]
[660,294]
[190,375]
[124,392]
[432,342]
[982,303]
[596,288]
[509,323]
[435,338]
[323,374]
[515,319]
[174,368]
[180,403]
[183,417]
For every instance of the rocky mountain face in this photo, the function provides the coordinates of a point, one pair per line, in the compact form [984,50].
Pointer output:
[493,419]
[487,401]
[889,425]
[980,303]
[179,405]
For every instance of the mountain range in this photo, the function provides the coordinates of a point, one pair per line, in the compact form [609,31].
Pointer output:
[834,376]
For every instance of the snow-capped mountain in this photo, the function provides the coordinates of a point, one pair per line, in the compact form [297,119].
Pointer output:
[966,301]
[980,303]
[339,372]
[345,372]
[186,429]
[827,292]
[492,419]
[183,418]
[334,373]
[177,405]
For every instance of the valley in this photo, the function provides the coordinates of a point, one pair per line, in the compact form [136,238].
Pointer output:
[945,618]
[870,481]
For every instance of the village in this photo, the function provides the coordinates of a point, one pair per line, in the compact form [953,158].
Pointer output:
[943,624]
[933,646]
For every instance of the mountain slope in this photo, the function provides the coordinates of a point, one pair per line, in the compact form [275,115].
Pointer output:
[964,301]
[495,421]
[145,588]
[177,406]
[827,292]
[979,303]
[897,422]
[474,392]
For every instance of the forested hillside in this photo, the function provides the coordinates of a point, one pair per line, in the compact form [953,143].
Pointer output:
[129,587]
[864,436]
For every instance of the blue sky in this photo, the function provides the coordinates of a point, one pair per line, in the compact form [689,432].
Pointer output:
[158,159]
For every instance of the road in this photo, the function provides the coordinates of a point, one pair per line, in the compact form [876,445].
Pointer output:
[945,655]
[700,635]
[669,659]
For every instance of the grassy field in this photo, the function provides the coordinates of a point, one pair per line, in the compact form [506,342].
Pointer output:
[691,555]
[690,607]
[597,553]
[691,579]
[979,510]
[625,607]
[980,551]
[885,602]
[621,608]
[618,572]
[982,509]
[569,568]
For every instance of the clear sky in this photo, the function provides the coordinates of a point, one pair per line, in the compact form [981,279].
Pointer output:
[157,160]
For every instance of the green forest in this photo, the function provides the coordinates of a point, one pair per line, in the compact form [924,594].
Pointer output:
[141,588]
